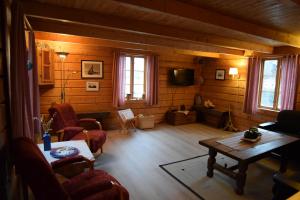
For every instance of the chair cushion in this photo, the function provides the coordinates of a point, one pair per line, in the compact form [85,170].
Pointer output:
[70,132]
[97,138]
[90,178]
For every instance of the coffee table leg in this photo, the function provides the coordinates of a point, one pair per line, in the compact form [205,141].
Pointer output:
[241,178]
[211,161]
[283,161]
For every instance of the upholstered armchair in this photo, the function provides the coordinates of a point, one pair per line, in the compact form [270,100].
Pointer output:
[45,184]
[67,126]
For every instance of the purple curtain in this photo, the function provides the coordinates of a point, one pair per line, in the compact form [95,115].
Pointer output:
[118,79]
[251,95]
[152,77]
[21,112]
[288,81]
[33,81]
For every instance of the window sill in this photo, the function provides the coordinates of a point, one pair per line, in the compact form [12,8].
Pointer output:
[266,111]
[135,101]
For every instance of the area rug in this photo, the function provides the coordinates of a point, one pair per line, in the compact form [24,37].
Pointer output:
[191,173]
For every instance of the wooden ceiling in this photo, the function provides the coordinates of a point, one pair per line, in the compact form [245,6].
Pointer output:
[217,26]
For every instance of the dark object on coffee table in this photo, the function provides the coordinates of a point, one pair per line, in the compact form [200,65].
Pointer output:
[252,133]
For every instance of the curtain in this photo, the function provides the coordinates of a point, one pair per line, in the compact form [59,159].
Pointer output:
[288,82]
[118,79]
[33,82]
[152,79]
[21,112]
[251,95]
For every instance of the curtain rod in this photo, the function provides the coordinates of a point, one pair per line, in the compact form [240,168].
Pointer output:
[27,23]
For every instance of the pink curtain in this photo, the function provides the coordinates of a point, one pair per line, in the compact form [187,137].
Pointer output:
[288,81]
[152,77]
[21,112]
[118,79]
[251,95]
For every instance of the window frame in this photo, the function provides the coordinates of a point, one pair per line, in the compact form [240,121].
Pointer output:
[277,85]
[132,56]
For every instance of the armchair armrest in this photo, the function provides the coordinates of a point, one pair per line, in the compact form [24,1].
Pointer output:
[86,121]
[71,160]
[268,125]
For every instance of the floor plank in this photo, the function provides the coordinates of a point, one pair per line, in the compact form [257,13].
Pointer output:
[134,158]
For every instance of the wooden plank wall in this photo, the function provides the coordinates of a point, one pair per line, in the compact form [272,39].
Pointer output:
[84,101]
[230,91]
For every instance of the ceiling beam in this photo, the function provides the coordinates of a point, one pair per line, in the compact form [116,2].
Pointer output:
[90,18]
[122,36]
[284,50]
[116,44]
[188,11]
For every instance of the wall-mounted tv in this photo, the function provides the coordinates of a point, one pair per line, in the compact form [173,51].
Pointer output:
[181,77]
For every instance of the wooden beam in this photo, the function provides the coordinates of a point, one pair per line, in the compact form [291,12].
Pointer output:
[283,50]
[90,18]
[123,36]
[188,11]
[120,45]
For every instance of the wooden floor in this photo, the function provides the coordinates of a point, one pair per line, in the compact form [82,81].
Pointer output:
[134,158]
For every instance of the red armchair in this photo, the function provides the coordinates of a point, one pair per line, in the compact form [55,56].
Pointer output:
[68,127]
[36,172]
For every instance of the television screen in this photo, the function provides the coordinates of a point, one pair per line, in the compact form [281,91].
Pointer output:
[182,77]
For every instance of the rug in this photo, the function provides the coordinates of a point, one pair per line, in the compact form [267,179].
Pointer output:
[191,173]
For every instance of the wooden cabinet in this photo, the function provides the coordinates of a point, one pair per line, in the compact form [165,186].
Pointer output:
[45,62]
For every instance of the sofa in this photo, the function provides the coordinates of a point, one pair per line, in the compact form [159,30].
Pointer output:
[288,122]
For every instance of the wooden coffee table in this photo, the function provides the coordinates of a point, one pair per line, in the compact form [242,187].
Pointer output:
[245,153]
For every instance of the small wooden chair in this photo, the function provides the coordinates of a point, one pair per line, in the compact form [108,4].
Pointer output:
[127,119]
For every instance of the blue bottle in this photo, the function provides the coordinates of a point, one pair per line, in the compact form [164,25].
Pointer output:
[47,141]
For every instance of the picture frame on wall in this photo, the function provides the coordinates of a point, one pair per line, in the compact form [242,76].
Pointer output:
[92,69]
[220,74]
[92,86]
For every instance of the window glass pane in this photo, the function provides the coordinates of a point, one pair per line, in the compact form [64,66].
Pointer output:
[269,83]
[279,99]
[139,64]
[138,77]
[127,63]
[127,77]
[127,89]
[138,91]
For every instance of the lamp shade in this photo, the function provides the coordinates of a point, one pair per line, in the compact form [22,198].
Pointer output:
[233,71]
[62,55]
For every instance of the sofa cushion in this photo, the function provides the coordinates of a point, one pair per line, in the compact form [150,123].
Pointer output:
[289,121]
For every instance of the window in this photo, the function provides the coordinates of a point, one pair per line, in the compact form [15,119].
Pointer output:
[135,77]
[269,93]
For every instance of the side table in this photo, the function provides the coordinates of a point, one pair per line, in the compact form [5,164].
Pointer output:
[71,169]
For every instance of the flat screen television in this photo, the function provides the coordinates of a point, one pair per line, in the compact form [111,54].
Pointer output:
[181,77]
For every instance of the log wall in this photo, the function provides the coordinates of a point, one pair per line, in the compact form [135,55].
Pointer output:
[84,101]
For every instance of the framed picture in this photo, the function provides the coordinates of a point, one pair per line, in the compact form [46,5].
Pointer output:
[91,69]
[220,74]
[92,86]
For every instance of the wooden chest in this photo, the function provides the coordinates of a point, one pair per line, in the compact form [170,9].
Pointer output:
[179,118]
